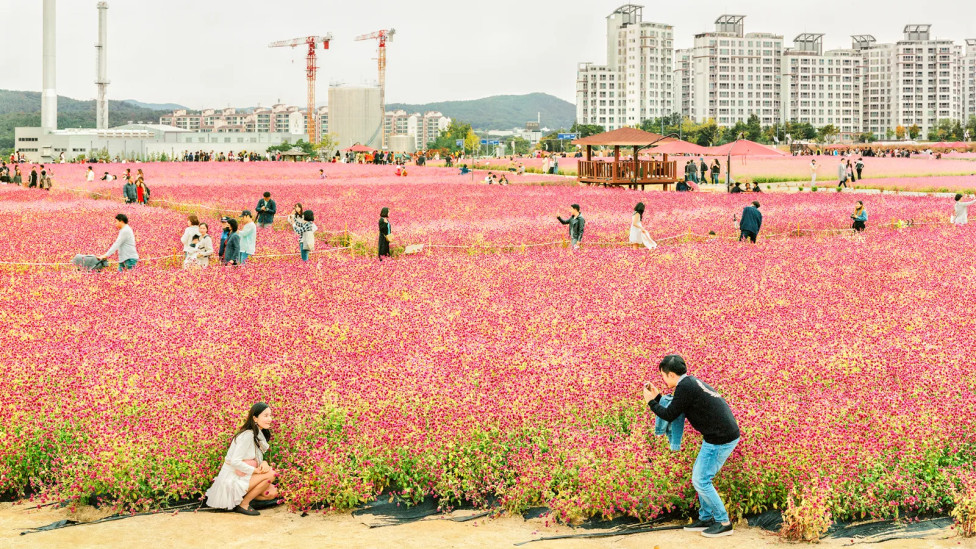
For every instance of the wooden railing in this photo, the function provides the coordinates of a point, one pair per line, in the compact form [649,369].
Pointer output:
[626,173]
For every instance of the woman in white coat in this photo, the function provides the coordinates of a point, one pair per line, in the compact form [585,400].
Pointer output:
[193,228]
[244,476]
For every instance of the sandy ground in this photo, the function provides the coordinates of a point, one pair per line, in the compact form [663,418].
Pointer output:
[284,530]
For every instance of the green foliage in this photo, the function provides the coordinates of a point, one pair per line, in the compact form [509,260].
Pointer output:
[947,130]
[502,112]
[23,109]
[457,130]
[914,131]
[827,133]
[286,146]
[586,130]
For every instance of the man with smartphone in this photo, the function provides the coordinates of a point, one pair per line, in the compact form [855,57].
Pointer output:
[711,416]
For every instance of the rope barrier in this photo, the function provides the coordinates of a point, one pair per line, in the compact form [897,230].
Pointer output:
[796,232]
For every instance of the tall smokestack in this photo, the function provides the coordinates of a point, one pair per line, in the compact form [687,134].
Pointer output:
[101,77]
[49,93]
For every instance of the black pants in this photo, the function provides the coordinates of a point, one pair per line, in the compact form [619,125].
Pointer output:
[858,226]
[842,183]
[748,234]
[859,174]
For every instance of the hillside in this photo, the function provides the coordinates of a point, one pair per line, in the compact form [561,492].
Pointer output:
[502,112]
[23,109]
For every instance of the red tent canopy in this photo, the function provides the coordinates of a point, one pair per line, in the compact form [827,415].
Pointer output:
[359,149]
[680,147]
[744,147]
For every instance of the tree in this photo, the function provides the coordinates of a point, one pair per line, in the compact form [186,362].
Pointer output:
[900,132]
[326,145]
[707,134]
[914,131]
[971,128]
[586,130]
[456,131]
[753,128]
[827,133]
[866,137]
[890,133]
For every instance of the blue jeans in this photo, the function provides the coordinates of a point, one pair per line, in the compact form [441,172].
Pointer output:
[710,459]
[244,257]
[127,265]
[304,252]
[675,429]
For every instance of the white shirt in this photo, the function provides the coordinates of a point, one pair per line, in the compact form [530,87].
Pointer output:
[125,244]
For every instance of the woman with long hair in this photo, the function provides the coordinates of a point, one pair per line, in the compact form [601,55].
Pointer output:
[860,217]
[637,225]
[244,476]
[386,233]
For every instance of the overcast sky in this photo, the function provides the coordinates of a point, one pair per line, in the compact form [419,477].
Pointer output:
[214,53]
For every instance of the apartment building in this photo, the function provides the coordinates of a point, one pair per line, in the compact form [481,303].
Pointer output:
[736,74]
[822,88]
[636,83]
[421,128]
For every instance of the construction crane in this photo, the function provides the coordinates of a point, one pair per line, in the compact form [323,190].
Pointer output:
[310,70]
[383,37]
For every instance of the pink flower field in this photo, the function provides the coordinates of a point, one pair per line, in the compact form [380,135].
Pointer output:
[511,376]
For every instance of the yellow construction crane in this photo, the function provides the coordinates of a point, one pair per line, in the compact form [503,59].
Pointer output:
[311,68]
[383,37]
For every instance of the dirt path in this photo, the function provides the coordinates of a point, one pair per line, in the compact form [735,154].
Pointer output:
[283,530]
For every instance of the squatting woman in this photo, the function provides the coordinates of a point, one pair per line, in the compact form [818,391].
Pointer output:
[244,476]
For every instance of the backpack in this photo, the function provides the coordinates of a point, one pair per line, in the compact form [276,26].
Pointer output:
[308,241]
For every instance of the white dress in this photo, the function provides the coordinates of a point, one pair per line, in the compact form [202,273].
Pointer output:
[962,212]
[229,488]
[636,236]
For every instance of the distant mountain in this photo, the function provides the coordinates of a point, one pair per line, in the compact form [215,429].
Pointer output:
[502,112]
[156,106]
[23,109]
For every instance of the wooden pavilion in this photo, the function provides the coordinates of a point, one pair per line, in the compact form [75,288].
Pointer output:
[632,173]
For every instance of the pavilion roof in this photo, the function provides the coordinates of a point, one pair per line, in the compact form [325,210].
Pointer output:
[624,137]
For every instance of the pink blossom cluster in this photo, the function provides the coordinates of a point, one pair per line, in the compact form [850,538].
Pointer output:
[513,376]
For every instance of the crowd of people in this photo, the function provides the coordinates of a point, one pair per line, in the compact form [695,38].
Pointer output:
[39,176]
[238,236]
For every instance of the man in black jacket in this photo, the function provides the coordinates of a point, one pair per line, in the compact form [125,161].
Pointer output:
[266,211]
[751,222]
[576,224]
[710,415]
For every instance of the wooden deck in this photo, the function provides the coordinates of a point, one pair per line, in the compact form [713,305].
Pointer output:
[628,173]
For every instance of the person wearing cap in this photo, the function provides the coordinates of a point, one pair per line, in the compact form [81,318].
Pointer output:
[125,245]
[232,251]
[248,235]
[224,233]
[751,222]
[576,225]
[266,211]
[711,416]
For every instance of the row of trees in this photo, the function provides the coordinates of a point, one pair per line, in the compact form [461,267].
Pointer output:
[706,134]
[709,134]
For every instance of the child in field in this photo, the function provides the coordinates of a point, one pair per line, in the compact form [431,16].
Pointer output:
[192,253]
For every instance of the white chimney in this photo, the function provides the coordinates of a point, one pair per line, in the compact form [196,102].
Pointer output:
[49,92]
[101,77]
